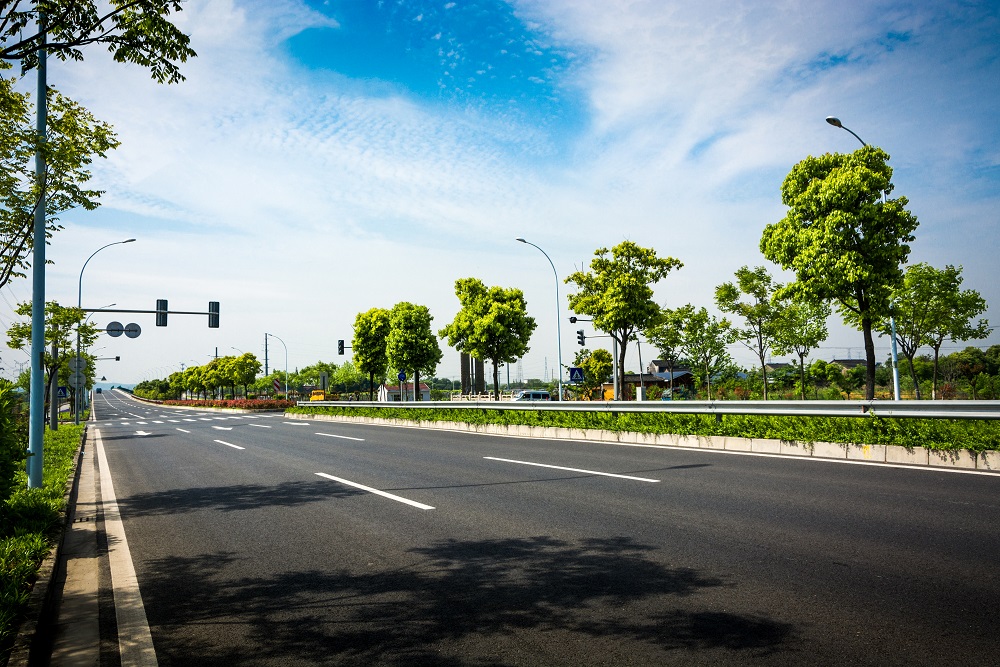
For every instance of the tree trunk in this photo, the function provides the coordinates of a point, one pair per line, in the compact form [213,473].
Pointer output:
[763,372]
[621,367]
[934,385]
[496,381]
[802,375]
[416,385]
[913,376]
[866,327]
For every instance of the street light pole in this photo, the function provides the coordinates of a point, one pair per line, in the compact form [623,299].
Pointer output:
[833,120]
[79,304]
[558,317]
[286,361]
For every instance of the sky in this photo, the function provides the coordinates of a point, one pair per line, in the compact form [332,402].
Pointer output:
[324,157]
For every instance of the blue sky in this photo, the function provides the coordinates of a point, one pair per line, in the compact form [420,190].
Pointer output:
[323,158]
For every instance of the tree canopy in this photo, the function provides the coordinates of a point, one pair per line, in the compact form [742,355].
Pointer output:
[368,347]
[843,236]
[411,345]
[751,297]
[617,292]
[800,329]
[492,324]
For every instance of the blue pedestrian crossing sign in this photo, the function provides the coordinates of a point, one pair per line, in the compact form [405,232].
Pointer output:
[62,392]
[575,374]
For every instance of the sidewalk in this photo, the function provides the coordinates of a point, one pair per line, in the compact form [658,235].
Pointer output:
[67,632]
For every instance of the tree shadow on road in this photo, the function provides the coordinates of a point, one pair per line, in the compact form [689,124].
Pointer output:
[537,600]
[231,498]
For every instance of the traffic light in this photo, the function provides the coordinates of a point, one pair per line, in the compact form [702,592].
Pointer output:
[161,312]
[581,337]
[213,314]
[340,347]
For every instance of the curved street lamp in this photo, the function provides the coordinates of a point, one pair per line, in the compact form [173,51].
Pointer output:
[79,304]
[286,361]
[558,318]
[833,120]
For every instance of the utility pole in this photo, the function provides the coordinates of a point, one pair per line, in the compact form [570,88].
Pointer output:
[265,356]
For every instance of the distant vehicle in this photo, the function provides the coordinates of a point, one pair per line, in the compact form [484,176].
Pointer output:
[317,395]
[532,396]
[97,391]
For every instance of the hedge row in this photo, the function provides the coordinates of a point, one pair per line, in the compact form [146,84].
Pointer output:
[939,434]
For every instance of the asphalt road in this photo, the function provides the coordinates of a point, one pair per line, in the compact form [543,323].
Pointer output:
[472,553]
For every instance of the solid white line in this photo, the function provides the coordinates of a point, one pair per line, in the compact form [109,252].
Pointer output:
[589,472]
[296,423]
[183,431]
[223,442]
[345,437]
[135,643]
[377,492]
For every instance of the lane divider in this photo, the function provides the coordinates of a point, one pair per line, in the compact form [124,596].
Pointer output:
[398,499]
[342,437]
[589,472]
[227,444]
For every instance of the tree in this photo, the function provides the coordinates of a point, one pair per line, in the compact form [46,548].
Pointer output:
[61,325]
[596,368]
[667,335]
[704,341]
[760,313]
[368,347]
[617,293]
[801,328]
[411,345]
[930,307]
[244,370]
[134,31]
[843,237]
[74,138]
[492,324]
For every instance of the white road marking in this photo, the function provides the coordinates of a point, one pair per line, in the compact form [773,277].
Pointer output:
[589,472]
[135,643]
[296,423]
[223,442]
[142,433]
[174,421]
[157,422]
[259,425]
[344,437]
[190,420]
[183,431]
[369,489]
[223,428]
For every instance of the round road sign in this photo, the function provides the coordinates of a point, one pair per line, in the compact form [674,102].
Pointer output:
[132,330]
[115,329]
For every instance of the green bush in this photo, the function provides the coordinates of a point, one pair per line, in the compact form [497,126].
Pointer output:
[941,434]
[30,524]
[13,436]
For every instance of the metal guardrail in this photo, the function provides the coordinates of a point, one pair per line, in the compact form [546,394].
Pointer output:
[895,409]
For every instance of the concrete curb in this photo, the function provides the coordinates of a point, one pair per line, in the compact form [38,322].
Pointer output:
[894,454]
[40,606]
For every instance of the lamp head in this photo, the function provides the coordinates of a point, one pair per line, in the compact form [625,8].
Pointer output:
[521,240]
[833,120]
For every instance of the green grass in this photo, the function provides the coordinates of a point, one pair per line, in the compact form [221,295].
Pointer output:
[30,525]
[938,434]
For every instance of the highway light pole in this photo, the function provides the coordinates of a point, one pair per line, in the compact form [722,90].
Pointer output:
[286,360]
[832,120]
[79,304]
[558,317]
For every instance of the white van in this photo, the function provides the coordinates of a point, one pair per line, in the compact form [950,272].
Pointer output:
[531,395]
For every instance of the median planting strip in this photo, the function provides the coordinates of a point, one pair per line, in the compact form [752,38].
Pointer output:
[589,472]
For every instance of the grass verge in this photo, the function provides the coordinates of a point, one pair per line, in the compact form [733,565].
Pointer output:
[30,523]
[938,434]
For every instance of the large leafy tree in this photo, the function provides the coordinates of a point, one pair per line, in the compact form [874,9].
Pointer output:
[61,325]
[952,311]
[844,238]
[368,347]
[800,329]
[492,324]
[704,342]
[617,293]
[412,345]
[667,335]
[135,31]
[751,297]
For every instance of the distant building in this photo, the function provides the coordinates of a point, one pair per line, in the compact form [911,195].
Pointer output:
[391,394]
[848,364]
